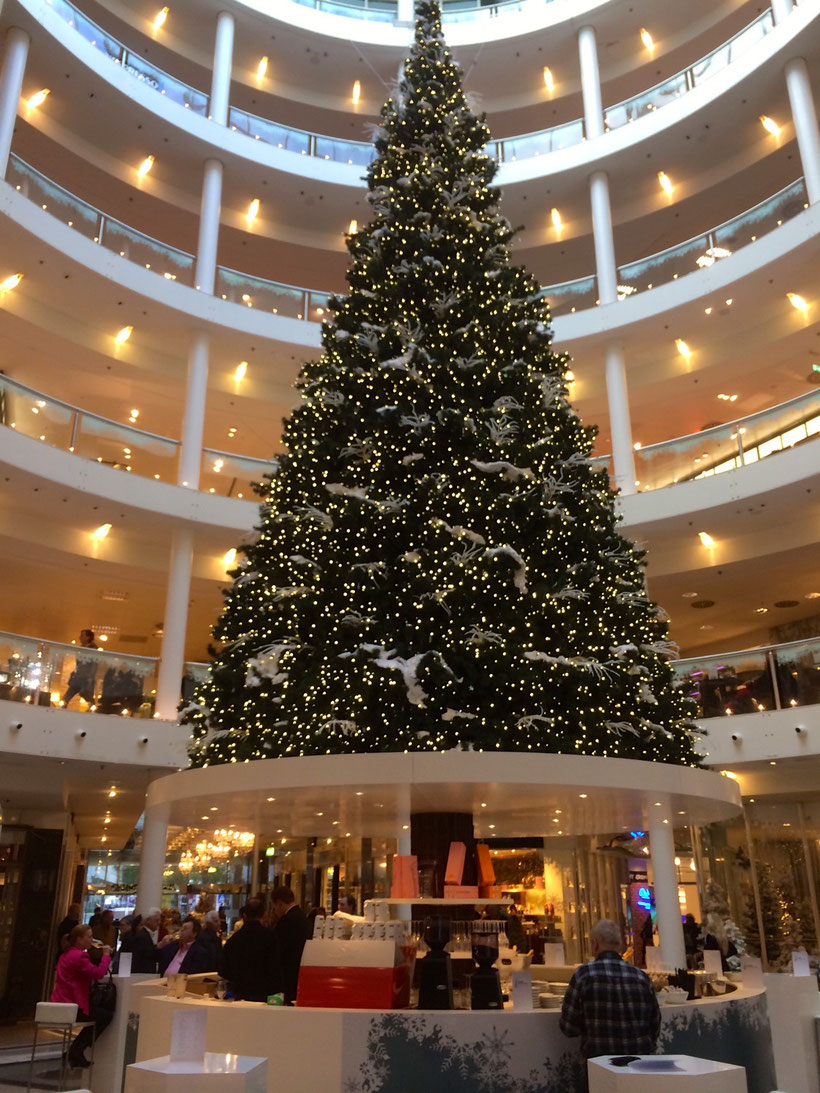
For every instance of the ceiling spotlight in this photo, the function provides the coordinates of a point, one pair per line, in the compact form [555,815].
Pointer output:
[770,125]
[230,557]
[262,68]
[101,532]
[353,227]
[706,539]
[356,94]
[555,216]
[797,301]
[38,98]
[253,211]
[241,371]
[665,182]
[683,348]
[549,81]
[159,18]
[122,336]
[11,282]
[145,166]
[647,39]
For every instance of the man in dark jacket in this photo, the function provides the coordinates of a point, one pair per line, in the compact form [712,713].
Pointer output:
[292,931]
[143,946]
[186,954]
[250,958]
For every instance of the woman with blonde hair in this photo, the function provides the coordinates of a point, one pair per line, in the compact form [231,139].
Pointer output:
[75,974]
[715,937]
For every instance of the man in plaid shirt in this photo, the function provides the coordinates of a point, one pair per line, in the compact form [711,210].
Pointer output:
[610,1004]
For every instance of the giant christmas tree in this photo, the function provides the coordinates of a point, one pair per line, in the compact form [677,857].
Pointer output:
[438,563]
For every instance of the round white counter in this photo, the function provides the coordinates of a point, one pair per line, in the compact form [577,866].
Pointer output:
[455,1051]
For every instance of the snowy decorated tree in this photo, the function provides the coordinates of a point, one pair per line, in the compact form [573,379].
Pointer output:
[438,563]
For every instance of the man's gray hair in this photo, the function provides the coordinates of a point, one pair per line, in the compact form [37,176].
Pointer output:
[152,912]
[608,934]
[212,917]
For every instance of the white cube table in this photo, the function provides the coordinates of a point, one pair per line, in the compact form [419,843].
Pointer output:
[215,1073]
[690,1075]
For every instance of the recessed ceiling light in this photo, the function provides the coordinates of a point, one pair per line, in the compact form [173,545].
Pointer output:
[797,301]
[706,539]
[647,39]
[665,182]
[683,348]
[761,610]
[812,596]
[770,125]
[689,595]
[262,68]
[38,98]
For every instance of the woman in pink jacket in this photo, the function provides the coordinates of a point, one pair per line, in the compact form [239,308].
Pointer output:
[75,974]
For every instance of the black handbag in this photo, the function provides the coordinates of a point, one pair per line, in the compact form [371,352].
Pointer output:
[103,994]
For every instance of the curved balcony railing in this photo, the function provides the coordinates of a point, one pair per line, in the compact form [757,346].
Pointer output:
[773,677]
[725,447]
[123,447]
[41,672]
[508,150]
[301,303]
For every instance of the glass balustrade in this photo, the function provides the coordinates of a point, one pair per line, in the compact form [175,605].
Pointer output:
[256,292]
[531,145]
[704,250]
[126,448]
[753,680]
[51,673]
[571,296]
[384,11]
[298,303]
[132,63]
[68,427]
[725,447]
[280,136]
[231,475]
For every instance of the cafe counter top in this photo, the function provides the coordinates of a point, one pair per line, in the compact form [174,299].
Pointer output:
[447,1051]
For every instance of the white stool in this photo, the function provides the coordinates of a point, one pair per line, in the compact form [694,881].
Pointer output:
[58,1017]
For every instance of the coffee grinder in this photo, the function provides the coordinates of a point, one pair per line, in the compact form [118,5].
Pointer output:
[485,986]
[435,969]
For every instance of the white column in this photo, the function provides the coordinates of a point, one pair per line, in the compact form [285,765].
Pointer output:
[193,420]
[209,209]
[221,75]
[152,857]
[782,9]
[805,124]
[605,265]
[172,656]
[11,86]
[406,12]
[590,82]
[620,423]
[667,905]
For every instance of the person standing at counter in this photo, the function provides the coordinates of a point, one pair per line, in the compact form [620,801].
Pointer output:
[610,1004]
[292,931]
[250,959]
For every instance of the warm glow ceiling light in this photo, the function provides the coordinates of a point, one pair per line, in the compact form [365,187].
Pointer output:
[38,98]
[549,80]
[145,166]
[797,301]
[262,68]
[159,18]
[230,557]
[555,216]
[122,336]
[357,92]
[353,227]
[11,282]
[706,539]
[770,125]
[101,531]
[253,211]
[647,39]
[665,182]
[683,348]
[241,370]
